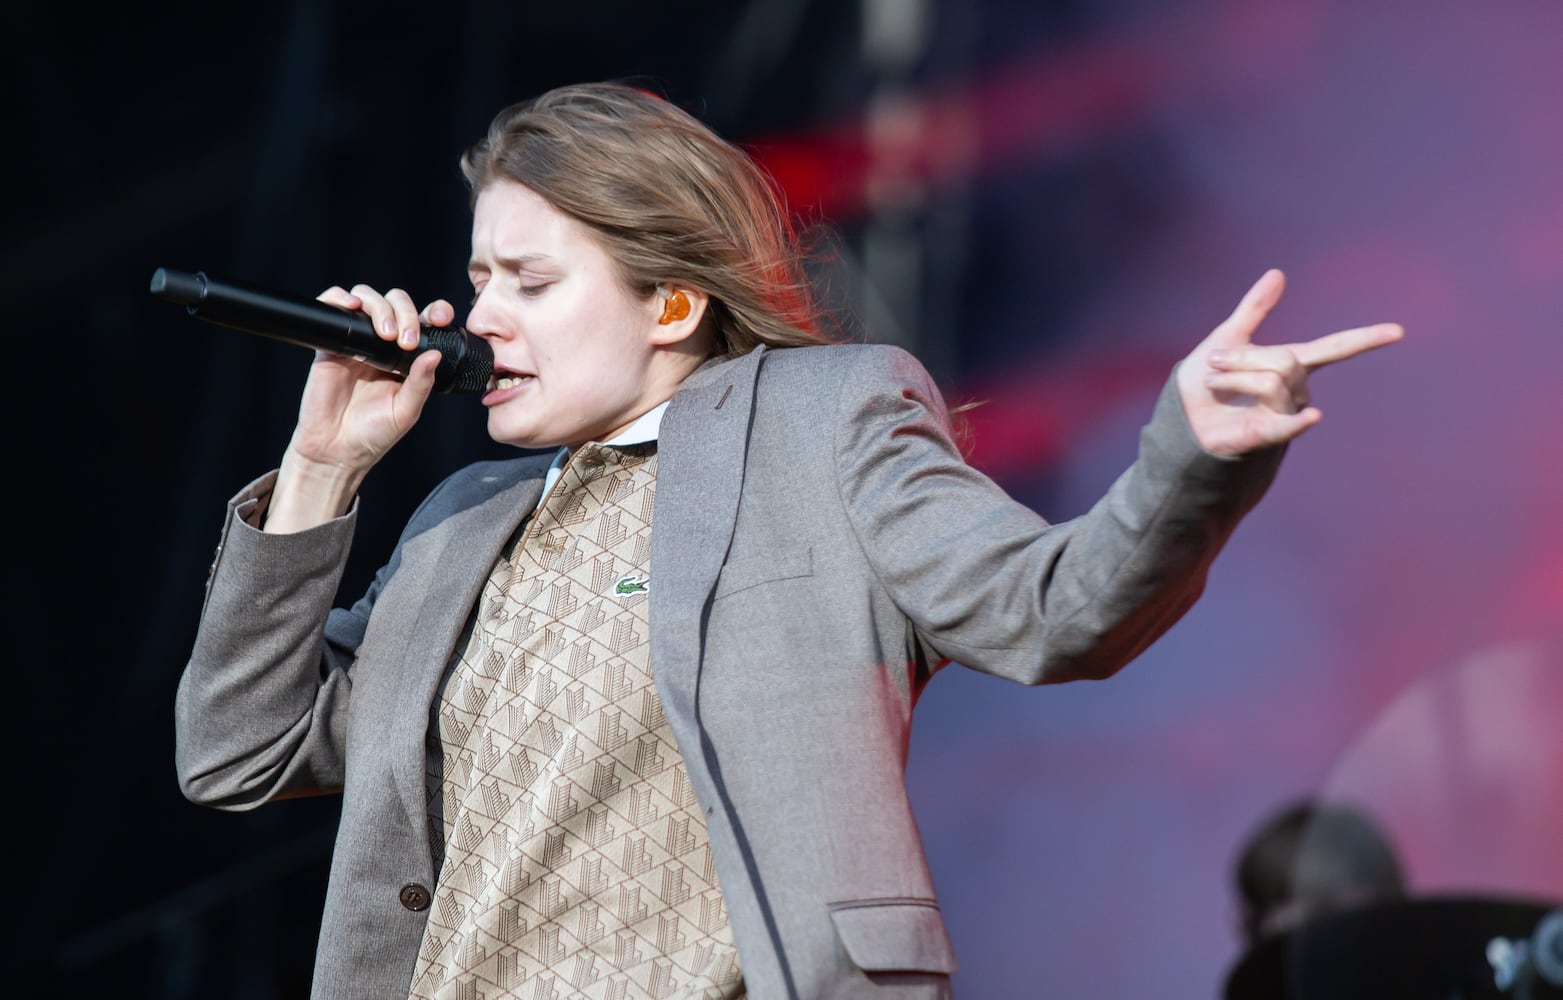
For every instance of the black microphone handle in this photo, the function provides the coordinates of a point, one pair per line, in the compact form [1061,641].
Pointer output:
[466,360]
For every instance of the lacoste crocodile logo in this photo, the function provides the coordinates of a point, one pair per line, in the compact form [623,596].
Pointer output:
[632,584]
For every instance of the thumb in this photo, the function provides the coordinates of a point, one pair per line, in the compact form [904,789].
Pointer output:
[407,404]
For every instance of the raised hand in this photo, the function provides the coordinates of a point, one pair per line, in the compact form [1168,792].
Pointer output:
[1240,396]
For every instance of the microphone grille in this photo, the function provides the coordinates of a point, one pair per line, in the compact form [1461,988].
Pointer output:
[466,361]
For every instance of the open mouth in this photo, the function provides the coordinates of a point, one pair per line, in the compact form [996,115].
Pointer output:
[504,379]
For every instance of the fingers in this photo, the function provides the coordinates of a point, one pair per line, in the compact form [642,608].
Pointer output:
[1240,396]
[1346,344]
[338,296]
[1271,375]
[1267,388]
[393,313]
[1238,328]
[438,313]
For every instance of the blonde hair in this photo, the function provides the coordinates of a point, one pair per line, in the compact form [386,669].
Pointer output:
[670,200]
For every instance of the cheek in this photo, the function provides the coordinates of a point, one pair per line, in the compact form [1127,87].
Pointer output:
[603,346]
[576,332]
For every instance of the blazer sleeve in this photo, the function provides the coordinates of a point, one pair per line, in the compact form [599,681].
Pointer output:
[260,712]
[991,584]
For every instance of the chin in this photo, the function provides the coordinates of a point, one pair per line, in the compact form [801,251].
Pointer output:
[513,436]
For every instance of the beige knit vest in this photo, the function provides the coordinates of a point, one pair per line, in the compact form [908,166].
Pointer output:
[576,859]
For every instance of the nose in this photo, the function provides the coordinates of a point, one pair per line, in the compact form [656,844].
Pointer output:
[482,318]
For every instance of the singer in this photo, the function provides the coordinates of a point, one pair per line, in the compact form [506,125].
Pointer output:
[629,718]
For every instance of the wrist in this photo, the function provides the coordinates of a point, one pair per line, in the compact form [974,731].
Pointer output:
[308,493]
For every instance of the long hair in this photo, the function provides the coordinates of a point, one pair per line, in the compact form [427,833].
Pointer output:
[669,199]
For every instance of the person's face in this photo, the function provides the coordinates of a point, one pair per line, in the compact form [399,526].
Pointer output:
[577,356]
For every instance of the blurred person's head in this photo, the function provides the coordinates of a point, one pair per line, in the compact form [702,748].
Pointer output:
[1310,859]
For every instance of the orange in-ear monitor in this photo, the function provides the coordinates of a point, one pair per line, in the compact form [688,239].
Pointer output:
[677,308]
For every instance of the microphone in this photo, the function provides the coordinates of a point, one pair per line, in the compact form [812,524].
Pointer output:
[466,360]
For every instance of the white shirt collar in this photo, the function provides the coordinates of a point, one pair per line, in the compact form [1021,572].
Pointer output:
[642,429]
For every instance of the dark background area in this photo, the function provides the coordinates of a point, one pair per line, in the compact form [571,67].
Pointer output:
[1091,185]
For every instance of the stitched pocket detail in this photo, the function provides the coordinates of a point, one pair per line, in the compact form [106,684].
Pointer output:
[894,934]
[742,574]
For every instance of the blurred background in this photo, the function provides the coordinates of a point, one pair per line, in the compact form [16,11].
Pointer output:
[1049,201]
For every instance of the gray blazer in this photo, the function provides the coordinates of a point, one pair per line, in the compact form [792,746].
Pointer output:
[820,550]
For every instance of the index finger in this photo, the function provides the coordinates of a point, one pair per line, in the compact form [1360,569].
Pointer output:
[1345,344]
[336,295]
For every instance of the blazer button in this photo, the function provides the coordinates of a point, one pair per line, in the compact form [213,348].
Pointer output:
[415,897]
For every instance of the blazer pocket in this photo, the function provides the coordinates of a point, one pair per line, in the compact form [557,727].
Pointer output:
[890,935]
[741,574]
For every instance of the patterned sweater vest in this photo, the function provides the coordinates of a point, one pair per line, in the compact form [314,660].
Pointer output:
[576,862]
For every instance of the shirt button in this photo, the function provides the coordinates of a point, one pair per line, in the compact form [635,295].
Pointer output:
[415,897]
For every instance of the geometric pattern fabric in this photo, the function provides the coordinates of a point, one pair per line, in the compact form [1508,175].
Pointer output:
[574,861]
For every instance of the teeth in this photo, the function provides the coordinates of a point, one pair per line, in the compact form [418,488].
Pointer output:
[509,381]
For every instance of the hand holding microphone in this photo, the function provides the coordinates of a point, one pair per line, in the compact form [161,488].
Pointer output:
[350,415]
[466,361]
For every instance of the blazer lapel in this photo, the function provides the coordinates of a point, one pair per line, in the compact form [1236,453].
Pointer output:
[701,450]
[455,557]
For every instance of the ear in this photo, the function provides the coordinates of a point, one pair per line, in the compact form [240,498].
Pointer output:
[679,313]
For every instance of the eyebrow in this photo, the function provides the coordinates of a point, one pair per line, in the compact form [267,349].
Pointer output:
[513,263]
